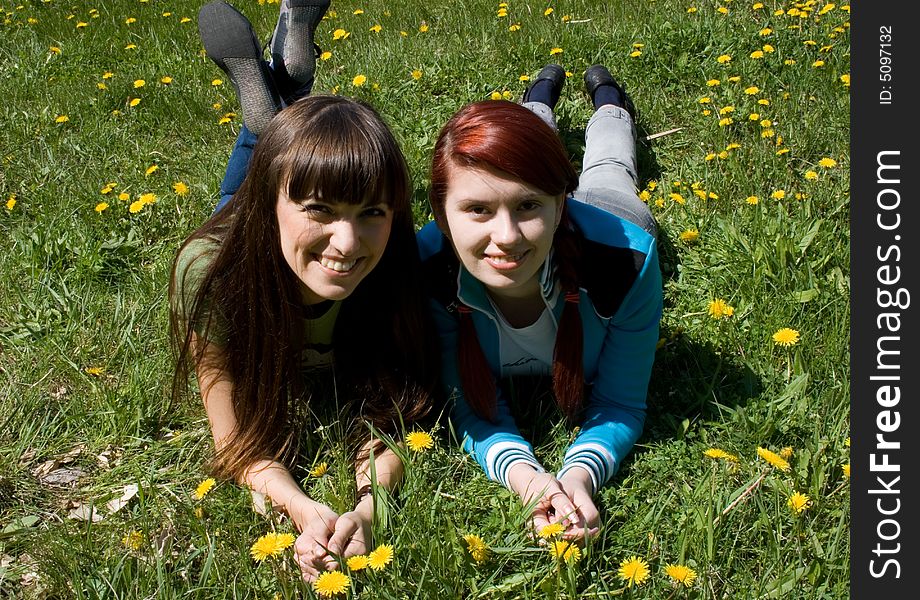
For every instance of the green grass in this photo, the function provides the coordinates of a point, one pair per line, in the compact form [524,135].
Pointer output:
[84,289]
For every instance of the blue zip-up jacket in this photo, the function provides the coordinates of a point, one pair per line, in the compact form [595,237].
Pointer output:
[620,305]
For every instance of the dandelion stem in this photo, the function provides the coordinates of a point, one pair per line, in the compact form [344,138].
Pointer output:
[750,489]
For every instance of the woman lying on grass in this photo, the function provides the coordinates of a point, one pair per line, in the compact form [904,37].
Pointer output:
[534,271]
[276,297]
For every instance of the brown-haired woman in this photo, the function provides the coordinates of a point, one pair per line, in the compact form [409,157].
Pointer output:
[300,298]
[535,271]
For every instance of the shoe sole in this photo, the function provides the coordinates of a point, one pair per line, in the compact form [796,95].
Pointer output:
[294,50]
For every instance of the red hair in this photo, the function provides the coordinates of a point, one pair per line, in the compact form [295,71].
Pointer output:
[508,137]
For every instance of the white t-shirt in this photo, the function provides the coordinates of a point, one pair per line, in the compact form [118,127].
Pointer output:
[527,350]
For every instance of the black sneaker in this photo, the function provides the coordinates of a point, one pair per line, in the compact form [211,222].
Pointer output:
[292,47]
[598,75]
[556,76]
[231,43]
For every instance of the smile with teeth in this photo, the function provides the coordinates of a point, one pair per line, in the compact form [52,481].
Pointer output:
[338,266]
[506,261]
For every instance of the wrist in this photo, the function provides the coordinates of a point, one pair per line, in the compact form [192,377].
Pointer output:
[519,477]
[580,477]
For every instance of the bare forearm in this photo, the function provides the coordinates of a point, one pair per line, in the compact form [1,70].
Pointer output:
[388,468]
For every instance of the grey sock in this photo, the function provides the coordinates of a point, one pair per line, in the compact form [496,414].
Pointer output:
[257,102]
[292,40]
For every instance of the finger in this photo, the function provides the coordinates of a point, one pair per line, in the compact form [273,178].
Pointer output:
[563,507]
[345,529]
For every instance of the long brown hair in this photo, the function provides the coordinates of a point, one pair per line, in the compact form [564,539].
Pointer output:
[384,348]
[510,138]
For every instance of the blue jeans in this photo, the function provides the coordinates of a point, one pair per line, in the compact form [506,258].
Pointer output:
[237,166]
[608,176]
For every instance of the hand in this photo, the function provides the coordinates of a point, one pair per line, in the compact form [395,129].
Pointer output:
[317,523]
[553,503]
[352,534]
[577,485]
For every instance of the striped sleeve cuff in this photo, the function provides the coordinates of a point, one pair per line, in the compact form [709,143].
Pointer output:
[594,458]
[504,455]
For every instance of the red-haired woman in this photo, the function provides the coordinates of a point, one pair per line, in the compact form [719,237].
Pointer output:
[535,271]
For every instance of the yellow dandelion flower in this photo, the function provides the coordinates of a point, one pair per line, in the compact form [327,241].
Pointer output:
[651,185]
[203,488]
[677,198]
[680,574]
[217,82]
[723,58]
[752,200]
[566,18]
[719,309]
[767,133]
[133,540]
[270,544]
[789,61]
[547,12]
[54,50]
[782,151]
[184,20]
[477,548]
[713,82]
[124,196]
[139,83]
[61,119]
[733,146]
[148,198]
[358,11]
[766,31]
[710,156]
[798,503]
[726,109]
[501,12]
[827,163]
[846,470]
[689,236]
[331,583]
[130,20]
[722,10]
[166,80]
[691,9]
[11,202]
[131,47]
[705,100]
[757,54]
[514,27]
[718,453]
[423,27]
[734,79]
[82,24]
[644,195]
[826,8]
[811,175]
[524,78]
[701,194]
[773,459]
[359,80]
[817,64]
[635,53]
[757,6]
[750,91]
[768,49]
[357,563]
[108,75]
[725,121]
[845,79]
[563,550]
[551,530]
[633,570]
[778,194]
[846,442]
[180,188]
[134,102]
[224,120]
[786,452]
[506,95]
[319,470]
[786,337]
[101,207]
[659,202]
[380,557]
[419,441]
[555,51]
[326,55]
[339,34]
[151,170]
[95,371]
[417,74]
[376,28]
[495,96]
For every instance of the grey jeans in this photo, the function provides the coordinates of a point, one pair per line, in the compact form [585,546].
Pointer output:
[608,176]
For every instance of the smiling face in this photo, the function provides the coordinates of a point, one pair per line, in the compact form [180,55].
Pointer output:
[331,246]
[501,228]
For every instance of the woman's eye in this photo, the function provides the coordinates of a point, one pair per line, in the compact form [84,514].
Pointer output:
[374,212]
[529,205]
[478,210]
[317,209]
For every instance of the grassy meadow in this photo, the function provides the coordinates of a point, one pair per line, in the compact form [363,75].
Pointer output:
[114,133]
